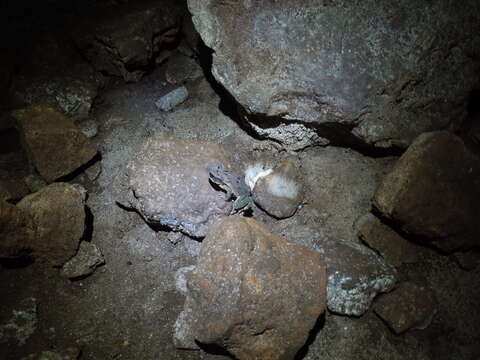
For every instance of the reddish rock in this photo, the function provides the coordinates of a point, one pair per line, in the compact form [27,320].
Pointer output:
[17,231]
[409,306]
[393,248]
[55,146]
[433,191]
[253,293]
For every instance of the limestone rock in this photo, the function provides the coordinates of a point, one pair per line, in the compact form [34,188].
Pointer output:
[433,191]
[393,248]
[17,231]
[409,306]
[280,192]
[55,146]
[172,99]
[59,217]
[253,293]
[303,69]
[168,184]
[84,263]
[125,40]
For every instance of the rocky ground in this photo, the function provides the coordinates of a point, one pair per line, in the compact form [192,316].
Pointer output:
[91,268]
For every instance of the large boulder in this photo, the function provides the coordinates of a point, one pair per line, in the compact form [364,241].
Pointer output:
[304,69]
[433,192]
[253,293]
[126,40]
[167,182]
[55,146]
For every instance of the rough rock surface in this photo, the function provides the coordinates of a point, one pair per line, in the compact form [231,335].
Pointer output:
[55,146]
[409,306]
[468,260]
[17,231]
[253,293]
[433,191]
[168,184]
[21,324]
[84,263]
[67,354]
[299,67]
[181,68]
[59,217]
[393,248]
[175,97]
[280,192]
[125,40]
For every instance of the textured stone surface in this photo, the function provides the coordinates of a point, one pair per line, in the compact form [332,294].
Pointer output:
[168,184]
[17,231]
[393,248]
[181,68]
[67,354]
[467,260]
[409,306]
[21,324]
[252,292]
[433,191]
[172,99]
[280,192]
[125,40]
[55,146]
[84,263]
[297,67]
[59,217]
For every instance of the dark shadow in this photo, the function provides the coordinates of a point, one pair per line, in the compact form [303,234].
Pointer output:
[10,141]
[17,263]
[214,349]
[69,177]
[88,232]
[319,324]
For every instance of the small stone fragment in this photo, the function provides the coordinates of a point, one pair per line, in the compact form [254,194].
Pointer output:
[22,324]
[393,248]
[84,263]
[408,306]
[172,99]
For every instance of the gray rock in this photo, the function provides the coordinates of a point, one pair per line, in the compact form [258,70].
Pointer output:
[172,99]
[181,68]
[180,278]
[21,325]
[433,191]
[297,68]
[84,263]
[252,292]
[168,184]
[17,231]
[94,171]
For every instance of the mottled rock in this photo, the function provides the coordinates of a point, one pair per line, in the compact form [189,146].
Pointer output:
[59,217]
[34,182]
[253,293]
[433,191]
[393,248]
[168,184]
[67,354]
[280,192]
[21,325]
[17,231]
[55,146]
[300,69]
[172,99]
[409,306]
[125,40]
[181,68]
[84,263]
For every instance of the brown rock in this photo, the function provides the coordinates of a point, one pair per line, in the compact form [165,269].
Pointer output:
[253,292]
[434,191]
[17,231]
[280,192]
[59,216]
[394,248]
[55,146]
[409,306]
[467,260]
[67,354]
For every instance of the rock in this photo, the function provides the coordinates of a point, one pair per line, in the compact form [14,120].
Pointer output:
[181,279]
[88,127]
[306,69]
[55,146]
[433,192]
[17,231]
[409,306]
[12,189]
[125,40]
[34,182]
[181,68]
[467,260]
[84,263]
[280,192]
[393,248]
[168,184]
[67,354]
[21,325]
[58,212]
[253,293]
[172,99]
[94,171]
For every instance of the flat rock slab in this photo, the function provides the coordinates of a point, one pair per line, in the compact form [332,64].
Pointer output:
[55,146]
[253,293]
[168,184]
[58,212]
[409,306]
[433,192]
